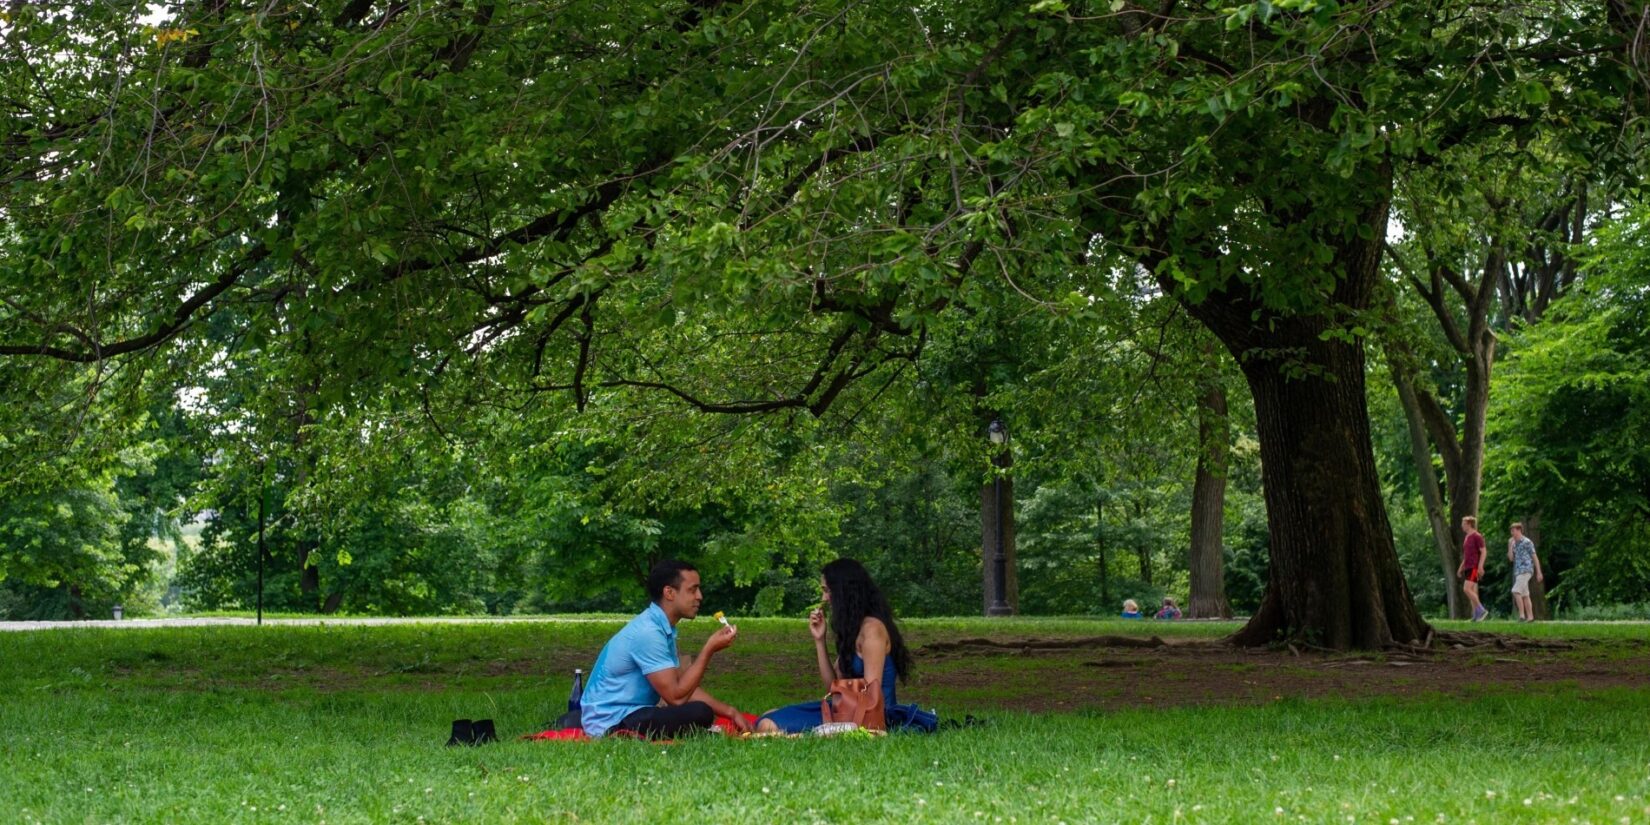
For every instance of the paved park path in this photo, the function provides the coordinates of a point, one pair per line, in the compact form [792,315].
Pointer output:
[210,621]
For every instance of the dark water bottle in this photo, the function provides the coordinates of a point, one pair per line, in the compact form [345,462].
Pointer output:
[574,698]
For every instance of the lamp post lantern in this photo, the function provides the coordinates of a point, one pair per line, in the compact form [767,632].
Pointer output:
[998,433]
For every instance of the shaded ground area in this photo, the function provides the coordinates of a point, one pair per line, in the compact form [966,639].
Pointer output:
[1119,672]
[1047,672]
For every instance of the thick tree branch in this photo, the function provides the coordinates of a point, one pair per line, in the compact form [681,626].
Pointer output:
[181,317]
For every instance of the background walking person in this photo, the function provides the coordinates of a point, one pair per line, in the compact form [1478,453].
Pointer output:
[1521,552]
[1472,566]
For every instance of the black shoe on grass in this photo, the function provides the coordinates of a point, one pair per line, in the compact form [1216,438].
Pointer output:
[482,732]
[463,733]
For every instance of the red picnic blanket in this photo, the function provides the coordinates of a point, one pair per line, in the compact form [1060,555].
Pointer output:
[724,725]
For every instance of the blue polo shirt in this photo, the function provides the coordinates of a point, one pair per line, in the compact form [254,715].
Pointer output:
[618,683]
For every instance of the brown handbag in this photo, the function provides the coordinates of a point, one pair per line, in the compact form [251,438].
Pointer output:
[857,701]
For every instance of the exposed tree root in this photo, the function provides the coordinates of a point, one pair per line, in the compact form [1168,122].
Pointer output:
[1026,645]
[1477,640]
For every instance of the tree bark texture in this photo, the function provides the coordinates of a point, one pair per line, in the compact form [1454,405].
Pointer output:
[1335,579]
[1208,579]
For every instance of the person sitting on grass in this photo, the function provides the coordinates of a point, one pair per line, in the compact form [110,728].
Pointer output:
[639,667]
[1169,611]
[1131,609]
[868,646]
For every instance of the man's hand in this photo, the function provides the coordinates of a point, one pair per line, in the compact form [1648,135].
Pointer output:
[1538,575]
[722,639]
[738,720]
[816,624]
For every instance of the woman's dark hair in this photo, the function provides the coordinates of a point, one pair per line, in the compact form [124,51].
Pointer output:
[853,597]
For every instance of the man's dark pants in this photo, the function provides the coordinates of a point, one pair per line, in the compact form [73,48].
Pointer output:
[669,721]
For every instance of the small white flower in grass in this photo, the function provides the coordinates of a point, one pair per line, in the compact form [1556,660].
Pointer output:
[282,808]
[939,784]
[1196,808]
[1528,801]
[1277,812]
[1171,783]
[1620,798]
[765,789]
[1337,757]
[921,801]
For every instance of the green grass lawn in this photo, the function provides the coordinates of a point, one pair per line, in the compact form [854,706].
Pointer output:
[345,724]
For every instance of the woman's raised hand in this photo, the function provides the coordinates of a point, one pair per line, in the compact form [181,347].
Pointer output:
[816,624]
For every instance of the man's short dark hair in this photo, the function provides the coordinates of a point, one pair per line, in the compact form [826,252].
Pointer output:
[667,573]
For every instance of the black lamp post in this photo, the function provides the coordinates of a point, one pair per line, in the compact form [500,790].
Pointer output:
[998,434]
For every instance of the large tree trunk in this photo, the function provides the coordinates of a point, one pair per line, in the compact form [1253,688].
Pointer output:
[1334,579]
[1208,580]
[1449,551]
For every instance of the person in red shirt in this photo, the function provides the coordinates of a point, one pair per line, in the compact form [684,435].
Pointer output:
[1472,566]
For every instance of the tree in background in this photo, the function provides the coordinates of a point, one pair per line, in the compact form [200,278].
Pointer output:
[1568,434]
[1480,260]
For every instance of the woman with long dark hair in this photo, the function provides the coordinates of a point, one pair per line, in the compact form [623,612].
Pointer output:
[868,646]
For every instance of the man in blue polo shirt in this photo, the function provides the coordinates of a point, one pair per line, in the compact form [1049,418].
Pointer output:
[639,666]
